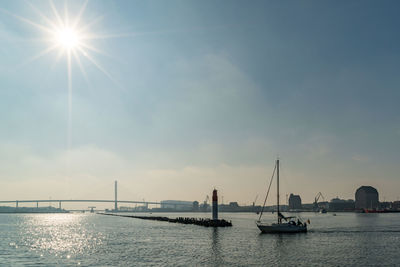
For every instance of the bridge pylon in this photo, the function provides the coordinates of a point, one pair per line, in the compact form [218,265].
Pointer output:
[116,196]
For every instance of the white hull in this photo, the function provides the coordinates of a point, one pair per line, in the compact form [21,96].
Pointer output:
[282,228]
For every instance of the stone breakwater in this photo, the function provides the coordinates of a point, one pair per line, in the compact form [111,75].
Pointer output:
[183,220]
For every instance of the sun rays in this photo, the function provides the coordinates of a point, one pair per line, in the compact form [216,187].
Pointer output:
[65,34]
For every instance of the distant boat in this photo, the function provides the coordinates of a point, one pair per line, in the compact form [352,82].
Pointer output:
[284,224]
[379,211]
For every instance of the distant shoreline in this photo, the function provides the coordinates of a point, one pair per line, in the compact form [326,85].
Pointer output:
[65,212]
[31,212]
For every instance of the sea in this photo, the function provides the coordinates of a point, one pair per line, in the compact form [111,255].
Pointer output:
[89,239]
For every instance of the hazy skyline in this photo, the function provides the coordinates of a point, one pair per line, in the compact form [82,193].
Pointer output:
[202,94]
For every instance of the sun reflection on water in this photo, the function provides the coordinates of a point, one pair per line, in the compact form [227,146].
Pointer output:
[62,235]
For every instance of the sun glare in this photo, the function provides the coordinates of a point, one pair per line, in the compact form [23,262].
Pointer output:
[67,38]
[67,33]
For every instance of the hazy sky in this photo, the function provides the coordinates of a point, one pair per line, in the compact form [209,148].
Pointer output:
[201,94]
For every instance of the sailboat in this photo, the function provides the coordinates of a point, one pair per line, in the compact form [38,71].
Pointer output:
[283,224]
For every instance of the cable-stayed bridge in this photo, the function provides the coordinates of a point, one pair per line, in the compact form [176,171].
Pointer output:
[60,201]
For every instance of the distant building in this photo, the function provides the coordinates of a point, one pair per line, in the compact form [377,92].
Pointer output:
[177,205]
[396,205]
[367,197]
[307,206]
[338,204]
[233,205]
[125,208]
[386,205]
[195,206]
[295,202]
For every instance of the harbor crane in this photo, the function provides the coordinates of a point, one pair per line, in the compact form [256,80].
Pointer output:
[205,205]
[317,197]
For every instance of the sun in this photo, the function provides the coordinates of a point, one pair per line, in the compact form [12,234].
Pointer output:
[67,38]
[68,34]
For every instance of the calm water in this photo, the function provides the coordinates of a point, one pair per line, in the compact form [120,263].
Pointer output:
[95,240]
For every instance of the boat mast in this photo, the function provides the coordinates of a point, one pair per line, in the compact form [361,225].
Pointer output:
[277,182]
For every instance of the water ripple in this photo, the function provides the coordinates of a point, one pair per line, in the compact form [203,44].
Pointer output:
[91,240]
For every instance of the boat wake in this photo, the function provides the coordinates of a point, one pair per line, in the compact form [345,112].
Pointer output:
[352,231]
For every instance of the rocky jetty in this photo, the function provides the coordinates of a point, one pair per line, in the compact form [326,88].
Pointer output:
[183,220]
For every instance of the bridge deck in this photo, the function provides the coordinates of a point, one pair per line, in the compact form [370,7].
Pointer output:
[79,200]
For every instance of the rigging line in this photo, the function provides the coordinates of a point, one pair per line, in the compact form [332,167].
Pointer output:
[269,187]
[126,190]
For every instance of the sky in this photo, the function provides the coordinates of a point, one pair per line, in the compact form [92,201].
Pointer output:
[174,98]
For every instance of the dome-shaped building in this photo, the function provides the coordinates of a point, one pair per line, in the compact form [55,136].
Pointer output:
[367,197]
